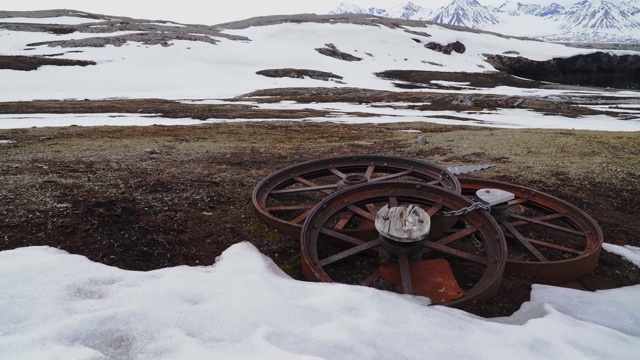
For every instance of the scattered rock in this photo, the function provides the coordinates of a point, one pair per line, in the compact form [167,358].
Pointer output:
[422,140]
[462,100]
[45,138]
[332,51]
[447,49]
[28,63]
[2,142]
[299,74]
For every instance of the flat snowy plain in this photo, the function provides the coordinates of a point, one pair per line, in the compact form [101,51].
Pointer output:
[61,306]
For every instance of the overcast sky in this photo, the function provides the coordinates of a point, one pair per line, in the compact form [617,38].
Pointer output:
[215,12]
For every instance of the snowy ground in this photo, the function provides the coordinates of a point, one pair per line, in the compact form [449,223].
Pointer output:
[198,70]
[61,306]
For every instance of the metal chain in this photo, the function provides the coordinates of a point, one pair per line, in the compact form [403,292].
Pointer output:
[463,211]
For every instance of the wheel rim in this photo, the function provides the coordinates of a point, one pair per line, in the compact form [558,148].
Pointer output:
[476,250]
[548,239]
[284,199]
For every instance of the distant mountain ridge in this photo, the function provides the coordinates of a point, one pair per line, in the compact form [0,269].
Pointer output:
[584,21]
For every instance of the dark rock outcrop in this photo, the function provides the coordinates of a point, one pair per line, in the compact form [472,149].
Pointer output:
[596,69]
[299,74]
[447,49]
[28,63]
[332,51]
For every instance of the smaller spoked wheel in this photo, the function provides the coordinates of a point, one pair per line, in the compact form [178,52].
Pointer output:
[548,239]
[461,261]
[284,199]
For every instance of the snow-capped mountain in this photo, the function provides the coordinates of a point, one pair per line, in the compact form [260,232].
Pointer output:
[551,10]
[585,21]
[631,7]
[515,8]
[467,13]
[597,15]
[408,11]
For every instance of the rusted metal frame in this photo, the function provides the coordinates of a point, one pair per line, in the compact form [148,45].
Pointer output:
[535,252]
[288,208]
[350,252]
[545,224]
[405,274]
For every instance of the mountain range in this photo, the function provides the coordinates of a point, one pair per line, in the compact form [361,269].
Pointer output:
[584,21]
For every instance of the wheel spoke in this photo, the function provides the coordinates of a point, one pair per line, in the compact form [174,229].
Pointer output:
[545,224]
[393,201]
[343,221]
[516,234]
[340,236]
[371,278]
[434,209]
[405,274]
[302,217]
[553,246]
[517,201]
[456,253]
[338,172]
[457,235]
[350,252]
[365,214]
[393,176]
[369,172]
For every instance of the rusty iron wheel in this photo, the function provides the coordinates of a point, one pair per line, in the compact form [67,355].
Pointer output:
[284,199]
[474,249]
[548,239]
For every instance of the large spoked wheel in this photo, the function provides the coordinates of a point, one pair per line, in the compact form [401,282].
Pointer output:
[548,239]
[284,199]
[471,254]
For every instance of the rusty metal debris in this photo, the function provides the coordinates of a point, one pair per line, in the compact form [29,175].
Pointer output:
[474,247]
[549,240]
[284,199]
[464,233]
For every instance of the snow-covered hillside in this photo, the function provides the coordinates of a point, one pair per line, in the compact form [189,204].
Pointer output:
[200,69]
[585,21]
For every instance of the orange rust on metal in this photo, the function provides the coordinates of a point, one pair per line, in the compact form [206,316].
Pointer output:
[430,278]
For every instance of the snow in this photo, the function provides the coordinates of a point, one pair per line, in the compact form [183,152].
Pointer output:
[61,306]
[62,20]
[631,253]
[196,70]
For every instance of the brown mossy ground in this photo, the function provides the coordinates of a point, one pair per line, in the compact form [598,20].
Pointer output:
[143,198]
